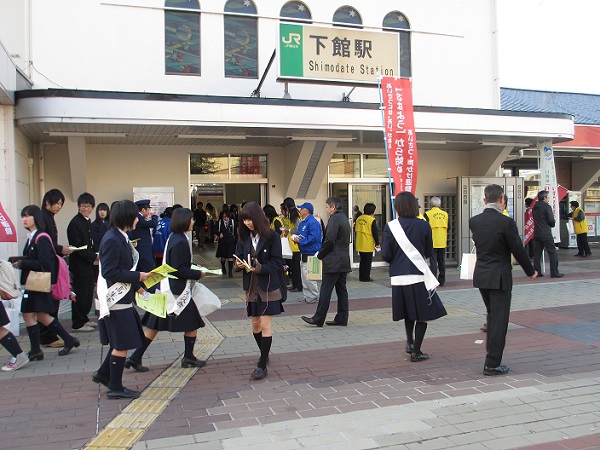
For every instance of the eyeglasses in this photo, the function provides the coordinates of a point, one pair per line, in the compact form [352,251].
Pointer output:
[86,206]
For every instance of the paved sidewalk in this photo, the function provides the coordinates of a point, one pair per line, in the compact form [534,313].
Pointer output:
[335,387]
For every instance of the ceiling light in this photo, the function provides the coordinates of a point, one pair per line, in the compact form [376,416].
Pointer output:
[321,138]
[208,136]
[84,134]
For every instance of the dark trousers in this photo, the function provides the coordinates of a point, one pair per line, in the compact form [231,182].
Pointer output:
[83,286]
[583,247]
[438,263]
[331,280]
[296,271]
[548,244]
[364,267]
[497,304]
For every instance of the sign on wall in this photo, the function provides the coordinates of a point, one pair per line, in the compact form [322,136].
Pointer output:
[345,55]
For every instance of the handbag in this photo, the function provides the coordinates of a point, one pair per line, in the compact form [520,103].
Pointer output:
[467,265]
[38,282]
[9,287]
[314,268]
[286,250]
[205,300]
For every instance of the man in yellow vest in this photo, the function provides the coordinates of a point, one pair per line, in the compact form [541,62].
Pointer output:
[581,229]
[367,240]
[438,220]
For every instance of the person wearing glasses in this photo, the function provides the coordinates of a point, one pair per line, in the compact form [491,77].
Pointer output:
[81,263]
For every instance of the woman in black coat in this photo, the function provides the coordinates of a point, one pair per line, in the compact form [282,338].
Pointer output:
[178,256]
[37,306]
[227,239]
[261,248]
[119,323]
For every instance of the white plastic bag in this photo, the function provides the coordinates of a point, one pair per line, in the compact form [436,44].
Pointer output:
[467,266]
[286,250]
[206,301]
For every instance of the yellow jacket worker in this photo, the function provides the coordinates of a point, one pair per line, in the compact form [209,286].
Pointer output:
[438,220]
[367,240]
[581,229]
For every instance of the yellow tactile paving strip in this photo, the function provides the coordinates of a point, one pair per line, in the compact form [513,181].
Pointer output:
[286,323]
[130,425]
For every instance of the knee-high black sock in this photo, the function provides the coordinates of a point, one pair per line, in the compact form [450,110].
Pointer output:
[9,342]
[265,348]
[104,369]
[223,266]
[189,343]
[138,354]
[57,327]
[258,338]
[410,326]
[117,365]
[34,338]
[420,329]
[230,266]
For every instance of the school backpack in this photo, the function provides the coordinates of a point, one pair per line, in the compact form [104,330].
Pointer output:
[62,288]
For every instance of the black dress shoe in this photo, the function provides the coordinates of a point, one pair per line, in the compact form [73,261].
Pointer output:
[137,366]
[36,356]
[187,362]
[333,323]
[409,348]
[310,321]
[558,275]
[100,379]
[492,371]
[417,357]
[67,348]
[579,254]
[259,373]
[125,393]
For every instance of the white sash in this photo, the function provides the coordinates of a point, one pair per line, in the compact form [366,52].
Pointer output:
[108,297]
[175,305]
[413,254]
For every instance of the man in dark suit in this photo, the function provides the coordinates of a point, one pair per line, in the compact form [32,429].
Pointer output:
[336,265]
[81,263]
[496,237]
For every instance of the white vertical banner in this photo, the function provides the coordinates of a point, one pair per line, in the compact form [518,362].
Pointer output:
[548,182]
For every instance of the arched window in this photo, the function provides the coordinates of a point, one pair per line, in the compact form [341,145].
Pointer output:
[296,10]
[241,39]
[396,21]
[182,37]
[347,16]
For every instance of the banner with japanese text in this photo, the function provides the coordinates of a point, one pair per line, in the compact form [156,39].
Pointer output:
[548,182]
[399,129]
[7,228]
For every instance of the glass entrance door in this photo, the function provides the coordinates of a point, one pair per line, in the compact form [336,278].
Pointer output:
[353,194]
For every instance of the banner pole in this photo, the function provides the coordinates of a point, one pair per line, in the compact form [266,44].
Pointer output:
[387,155]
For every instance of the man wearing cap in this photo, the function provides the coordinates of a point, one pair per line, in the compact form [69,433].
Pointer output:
[143,234]
[336,265]
[309,239]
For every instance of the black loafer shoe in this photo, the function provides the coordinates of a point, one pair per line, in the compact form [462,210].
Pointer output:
[100,379]
[187,362]
[137,366]
[36,356]
[333,323]
[409,348]
[558,275]
[310,321]
[579,254]
[492,371]
[417,357]
[125,393]
[67,348]
[259,373]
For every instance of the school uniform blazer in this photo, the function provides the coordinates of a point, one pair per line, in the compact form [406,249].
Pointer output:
[179,256]
[116,262]
[268,254]
[496,237]
[40,258]
[79,233]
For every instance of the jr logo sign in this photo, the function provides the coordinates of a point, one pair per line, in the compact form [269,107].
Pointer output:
[292,40]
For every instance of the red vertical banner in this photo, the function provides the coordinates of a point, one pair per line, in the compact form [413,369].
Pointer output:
[7,229]
[399,128]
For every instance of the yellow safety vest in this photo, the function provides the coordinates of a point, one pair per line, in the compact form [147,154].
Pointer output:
[365,242]
[580,227]
[438,220]
[289,225]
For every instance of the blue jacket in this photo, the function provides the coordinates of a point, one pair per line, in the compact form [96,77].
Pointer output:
[310,230]
[161,234]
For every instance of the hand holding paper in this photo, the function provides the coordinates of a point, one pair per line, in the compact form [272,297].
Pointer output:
[158,274]
[153,303]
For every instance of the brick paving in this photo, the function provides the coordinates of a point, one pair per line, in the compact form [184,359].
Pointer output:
[348,387]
